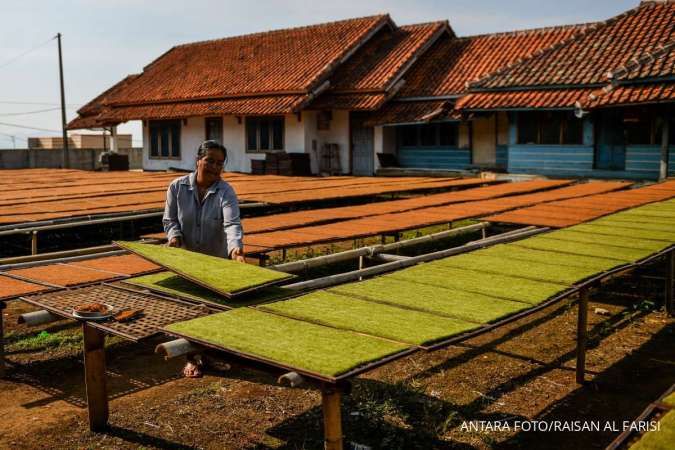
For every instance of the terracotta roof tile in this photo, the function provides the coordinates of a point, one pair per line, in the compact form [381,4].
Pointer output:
[632,95]
[408,112]
[264,105]
[278,61]
[361,82]
[450,63]
[586,57]
[522,99]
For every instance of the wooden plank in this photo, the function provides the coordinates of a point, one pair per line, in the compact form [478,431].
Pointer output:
[94,370]
[332,418]
[582,325]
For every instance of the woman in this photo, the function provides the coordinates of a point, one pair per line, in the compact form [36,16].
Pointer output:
[202,212]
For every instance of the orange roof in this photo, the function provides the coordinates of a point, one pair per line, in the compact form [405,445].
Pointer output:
[362,81]
[264,105]
[293,60]
[232,75]
[587,56]
[522,99]
[633,95]
[449,64]
[398,112]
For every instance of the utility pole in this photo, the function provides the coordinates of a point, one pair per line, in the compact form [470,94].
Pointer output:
[66,155]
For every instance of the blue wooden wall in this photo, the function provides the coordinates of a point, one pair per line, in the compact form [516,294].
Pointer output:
[645,160]
[502,156]
[438,158]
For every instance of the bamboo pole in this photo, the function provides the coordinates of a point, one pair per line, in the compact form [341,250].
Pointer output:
[332,418]
[582,325]
[94,372]
[299,266]
[332,280]
[33,243]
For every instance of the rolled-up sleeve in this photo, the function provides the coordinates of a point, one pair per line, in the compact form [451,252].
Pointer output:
[231,221]
[170,218]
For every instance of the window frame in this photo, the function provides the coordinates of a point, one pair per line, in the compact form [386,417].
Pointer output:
[214,120]
[564,117]
[270,121]
[417,130]
[173,128]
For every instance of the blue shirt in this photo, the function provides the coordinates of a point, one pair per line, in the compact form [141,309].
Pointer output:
[213,226]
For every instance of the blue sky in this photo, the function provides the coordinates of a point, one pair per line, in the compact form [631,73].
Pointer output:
[105,40]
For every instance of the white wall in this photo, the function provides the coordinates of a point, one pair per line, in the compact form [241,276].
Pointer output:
[384,142]
[298,138]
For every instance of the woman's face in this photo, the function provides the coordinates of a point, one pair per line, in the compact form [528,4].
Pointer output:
[210,166]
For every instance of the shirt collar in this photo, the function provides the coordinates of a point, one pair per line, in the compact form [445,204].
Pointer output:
[191,181]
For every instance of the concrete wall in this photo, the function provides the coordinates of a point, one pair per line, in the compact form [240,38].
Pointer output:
[337,133]
[84,159]
[384,142]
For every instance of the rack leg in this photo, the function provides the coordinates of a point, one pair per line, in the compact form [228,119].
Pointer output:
[2,340]
[332,418]
[94,372]
[670,273]
[582,325]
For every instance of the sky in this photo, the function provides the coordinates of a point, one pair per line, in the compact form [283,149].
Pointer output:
[103,41]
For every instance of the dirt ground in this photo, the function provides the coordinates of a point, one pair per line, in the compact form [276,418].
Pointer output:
[522,371]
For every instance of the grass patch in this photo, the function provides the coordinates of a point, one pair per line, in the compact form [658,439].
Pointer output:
[224,276]
[660,439]
[434,299]
[667,236]
[512,253]
[44,340]
[502,286]
[620,254]
[376,319]
[531,270]
[290,342]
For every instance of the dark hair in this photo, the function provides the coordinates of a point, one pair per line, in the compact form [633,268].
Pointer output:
[205,146]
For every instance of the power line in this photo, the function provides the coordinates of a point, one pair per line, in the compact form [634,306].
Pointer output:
[11,60]
[28,128]
[37,103]
[29,112]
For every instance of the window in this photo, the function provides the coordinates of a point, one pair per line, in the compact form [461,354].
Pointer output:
[549,128]
[213,126]
[642,126]
[264,133]
[165,139]
[444,134]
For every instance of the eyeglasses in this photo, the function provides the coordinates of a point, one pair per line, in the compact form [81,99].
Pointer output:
[214,163]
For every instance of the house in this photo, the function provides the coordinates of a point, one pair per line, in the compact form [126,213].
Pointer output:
[617,76]
[346,91]
[263,92]
[88,141]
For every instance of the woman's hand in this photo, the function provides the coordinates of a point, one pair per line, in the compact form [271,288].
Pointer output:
[238,255]
[175,242]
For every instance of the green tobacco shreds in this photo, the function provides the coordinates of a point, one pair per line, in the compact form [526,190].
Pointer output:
[649,213]
[661,439]
[172,284]
[510,288]
[221,275]
[670,400]
[630,225]
[375,319]
[290,342]
[612,230]
[452,302]
[639,219]
[621,254]
[608,241]
[532,270]
[511,252]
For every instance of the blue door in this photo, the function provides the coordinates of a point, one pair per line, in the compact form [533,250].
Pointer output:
[610,146]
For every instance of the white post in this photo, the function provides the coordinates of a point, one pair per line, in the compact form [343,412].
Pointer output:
[113,139]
